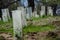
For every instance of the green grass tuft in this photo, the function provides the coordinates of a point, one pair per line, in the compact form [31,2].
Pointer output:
[32,28]
[5,29]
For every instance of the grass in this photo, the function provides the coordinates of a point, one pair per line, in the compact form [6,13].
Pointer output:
[6,30]
[3,27]
[1,22]
[32,28]
[35,18]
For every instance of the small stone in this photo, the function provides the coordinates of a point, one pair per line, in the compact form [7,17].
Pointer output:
[26,36]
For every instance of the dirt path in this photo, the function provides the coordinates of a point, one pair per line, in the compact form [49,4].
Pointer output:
[42,36]
[6,36]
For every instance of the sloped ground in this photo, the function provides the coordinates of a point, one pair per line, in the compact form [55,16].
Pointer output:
[40,29]
[43,35]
